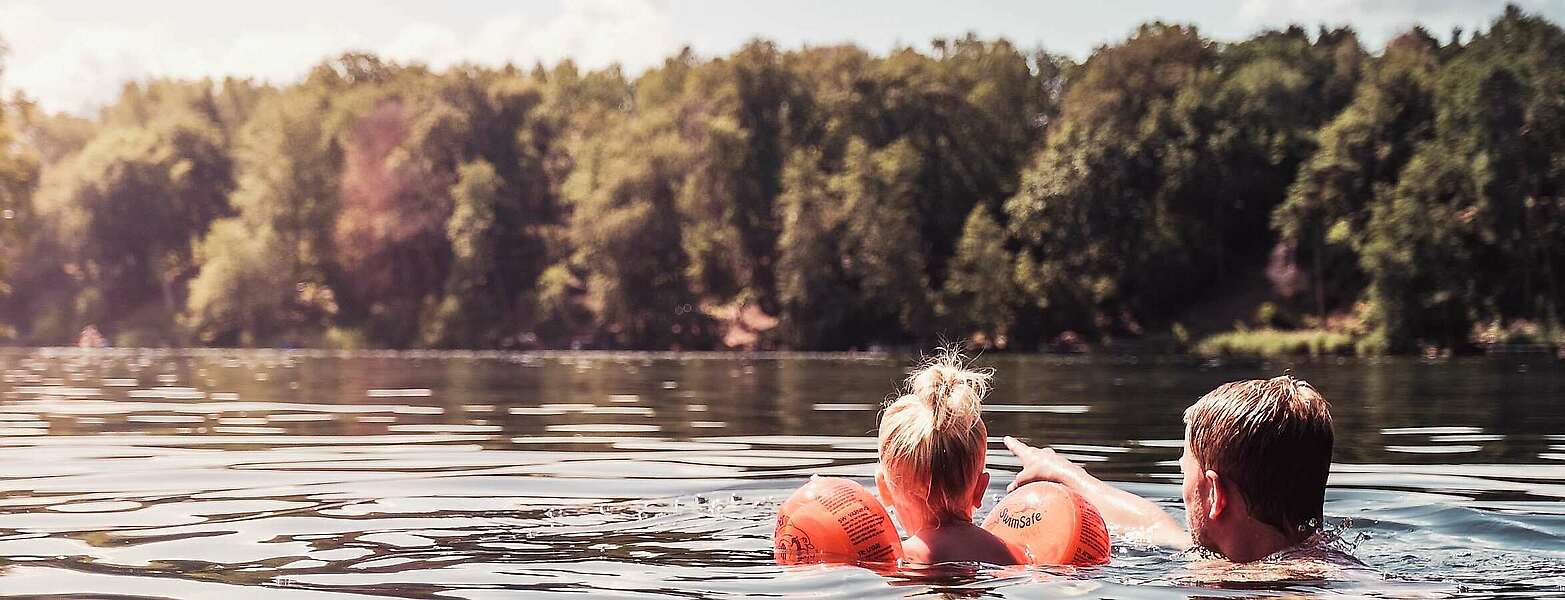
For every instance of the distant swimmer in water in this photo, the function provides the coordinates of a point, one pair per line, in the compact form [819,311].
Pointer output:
[933,447]
[1256,457]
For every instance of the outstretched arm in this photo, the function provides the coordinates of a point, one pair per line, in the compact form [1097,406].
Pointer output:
[1136,516]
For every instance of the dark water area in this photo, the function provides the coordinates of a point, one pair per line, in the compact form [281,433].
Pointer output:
[215,474]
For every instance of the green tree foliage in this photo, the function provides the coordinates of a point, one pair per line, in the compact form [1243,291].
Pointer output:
[242,294]
[18,178]
[892,155]
[1361,154]
[980,293]
[125,213]
[29,140]
[854,235]
[815,198]
[50,136]
[286,199]
[1483,198]
[390,231]
[813,274]
[21,157]
[1107,232]
[472,304]
[881,242]
[736,114]
[626,229]
[1158,179]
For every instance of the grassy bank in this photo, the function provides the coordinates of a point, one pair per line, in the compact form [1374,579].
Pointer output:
[1273,342]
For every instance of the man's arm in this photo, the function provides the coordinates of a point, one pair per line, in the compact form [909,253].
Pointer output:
[1132,514]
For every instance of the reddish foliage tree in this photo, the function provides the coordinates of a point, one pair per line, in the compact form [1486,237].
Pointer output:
[390,232]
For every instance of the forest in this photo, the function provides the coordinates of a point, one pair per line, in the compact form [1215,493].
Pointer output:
[1167,188]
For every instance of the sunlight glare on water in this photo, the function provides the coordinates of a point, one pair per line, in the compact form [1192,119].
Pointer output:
[267,474]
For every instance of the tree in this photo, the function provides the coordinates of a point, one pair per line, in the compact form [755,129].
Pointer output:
[127,210]
[625,227]
[1157,181]
[980,294]
[243,296]
[390,231]
[287,168]
[963,189]
[473,309]
[1416,236]
[1361,155]
[882,246]
[18,180]
[912,144]
[1108,235]
[813,276]
[1480,198]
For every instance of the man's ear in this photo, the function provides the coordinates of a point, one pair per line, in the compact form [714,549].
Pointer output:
[1217,490]
[979,488]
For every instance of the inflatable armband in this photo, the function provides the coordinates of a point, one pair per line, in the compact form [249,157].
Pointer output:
[831,519]
[1050,524]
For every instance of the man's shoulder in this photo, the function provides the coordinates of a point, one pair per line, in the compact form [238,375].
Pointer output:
[1324,547]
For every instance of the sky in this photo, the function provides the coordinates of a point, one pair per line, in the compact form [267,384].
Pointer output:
[74,55]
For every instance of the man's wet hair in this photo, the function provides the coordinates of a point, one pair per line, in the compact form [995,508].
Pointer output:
[1272,438]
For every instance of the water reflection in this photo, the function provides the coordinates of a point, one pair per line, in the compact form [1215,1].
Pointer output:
[292,474]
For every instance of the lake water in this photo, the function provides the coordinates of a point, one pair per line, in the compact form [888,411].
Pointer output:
[313,475]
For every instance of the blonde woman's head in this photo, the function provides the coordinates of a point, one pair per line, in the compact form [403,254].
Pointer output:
[932,438]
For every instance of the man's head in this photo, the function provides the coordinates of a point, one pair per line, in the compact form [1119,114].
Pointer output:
[1257,453]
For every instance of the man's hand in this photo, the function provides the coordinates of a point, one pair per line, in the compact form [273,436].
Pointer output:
[1136,517]
[1042,464]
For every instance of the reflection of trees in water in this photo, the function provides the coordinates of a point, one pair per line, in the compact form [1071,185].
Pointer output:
[1507,411]
[804,384]
[1112,404]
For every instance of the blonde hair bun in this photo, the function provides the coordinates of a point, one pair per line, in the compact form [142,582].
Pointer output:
[950,389]
[932,437]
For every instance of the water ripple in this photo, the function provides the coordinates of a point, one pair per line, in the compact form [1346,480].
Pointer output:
[271,474]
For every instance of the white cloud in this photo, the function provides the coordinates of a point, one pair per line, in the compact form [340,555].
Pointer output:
[74,66]
[594,33]
[69,70]
[278,56]
[426,43]
[637,33]
[1377,21]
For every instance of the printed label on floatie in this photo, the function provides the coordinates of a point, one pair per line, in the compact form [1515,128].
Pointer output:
[1023,521]
[859,522]
[1093,546]
[791,544]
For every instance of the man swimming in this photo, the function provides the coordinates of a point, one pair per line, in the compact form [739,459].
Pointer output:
[1256,457]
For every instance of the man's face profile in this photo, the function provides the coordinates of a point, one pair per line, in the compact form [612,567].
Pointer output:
[1195,501]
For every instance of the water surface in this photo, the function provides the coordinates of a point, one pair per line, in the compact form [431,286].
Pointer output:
[221,474]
